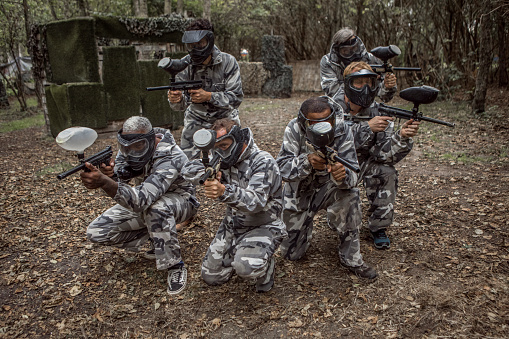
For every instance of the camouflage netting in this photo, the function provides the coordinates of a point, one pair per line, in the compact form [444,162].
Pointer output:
[155,103]
[71,105]
[72,51]
[279,83]
[121,82]
[253,77]
[73,58]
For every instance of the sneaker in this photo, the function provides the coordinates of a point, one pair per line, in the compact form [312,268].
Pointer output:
[151,253]
[177,279]
[265,283]
[362,271]
[381,240]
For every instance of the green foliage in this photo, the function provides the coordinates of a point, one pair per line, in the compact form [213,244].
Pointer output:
[14,125]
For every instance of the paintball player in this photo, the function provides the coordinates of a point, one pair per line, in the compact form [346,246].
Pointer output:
[347,48]
[312,184]
[221,93]
[249,183]
[378,146]
[152,208]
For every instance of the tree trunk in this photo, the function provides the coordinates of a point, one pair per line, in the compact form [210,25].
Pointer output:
[82,8]
[180,7]
[503,78]
[485,58]
[167,6]
[206,9]
[4,101]
[140,8]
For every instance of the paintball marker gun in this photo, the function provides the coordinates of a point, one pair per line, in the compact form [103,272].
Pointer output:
[416,95]
[320,136]
[204,140]
[78,139]
[386,53]
[175,66]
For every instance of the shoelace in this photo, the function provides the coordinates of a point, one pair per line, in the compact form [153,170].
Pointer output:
[176,276]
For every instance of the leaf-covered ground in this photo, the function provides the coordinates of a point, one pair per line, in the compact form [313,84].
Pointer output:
[446,274]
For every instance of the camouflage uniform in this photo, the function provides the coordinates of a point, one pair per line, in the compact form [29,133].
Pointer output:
[308,190]
[222,78]
[377,154]
[252,228]
[152,208]
[332,68]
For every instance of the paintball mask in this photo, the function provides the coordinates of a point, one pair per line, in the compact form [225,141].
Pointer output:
[137,148]
[230,152]
[350,50]
[361,87]
[305,122]
[199,44]
[320,134]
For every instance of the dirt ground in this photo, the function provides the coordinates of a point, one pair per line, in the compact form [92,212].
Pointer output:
[445,276]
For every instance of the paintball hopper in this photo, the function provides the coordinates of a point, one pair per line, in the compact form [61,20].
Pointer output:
[172,66]
[320,134]
[385,53]
[204,139]
[420,95]
[76,139]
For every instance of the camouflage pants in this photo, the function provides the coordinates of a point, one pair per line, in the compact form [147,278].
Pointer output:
[192,123]
[381,183]
[246,251]
[121,227]
[343,215]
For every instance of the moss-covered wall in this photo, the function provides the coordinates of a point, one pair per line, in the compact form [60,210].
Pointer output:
[121,82]
[72,51]
[75,104]
[73,58]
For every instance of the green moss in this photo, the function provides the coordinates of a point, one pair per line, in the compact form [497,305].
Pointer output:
[76,104]
[121,82]
[72,51]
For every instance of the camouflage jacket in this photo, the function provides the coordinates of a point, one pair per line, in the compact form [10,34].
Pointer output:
[331,74]
[253,192]
[386,147]
[161,174]
[221,77]
[294,164]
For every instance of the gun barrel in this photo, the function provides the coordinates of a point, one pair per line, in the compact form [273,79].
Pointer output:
[208,173]
[415,69]
[345,163]
[71,171]
[405,114]
[157,88]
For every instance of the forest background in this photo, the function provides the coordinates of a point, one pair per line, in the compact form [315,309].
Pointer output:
[459,44]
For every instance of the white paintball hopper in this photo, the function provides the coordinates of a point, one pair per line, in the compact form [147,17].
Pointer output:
[76,138]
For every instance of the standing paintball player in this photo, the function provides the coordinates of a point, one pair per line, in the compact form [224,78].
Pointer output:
[221,94]
[151,209]
[379,147]
[249,183]
[347,48]
[313,184]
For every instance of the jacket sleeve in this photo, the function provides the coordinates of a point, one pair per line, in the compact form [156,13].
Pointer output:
[329,80]
[164,172]
[390,147]
[293,165]
[193,171]
[254,198]
[345,146]
[229,97]
[386,94]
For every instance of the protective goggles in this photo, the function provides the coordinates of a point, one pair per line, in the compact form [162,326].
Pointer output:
[331,119]
[134,145]
[225,145]
[197,40]
[350,47]
[361,78]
